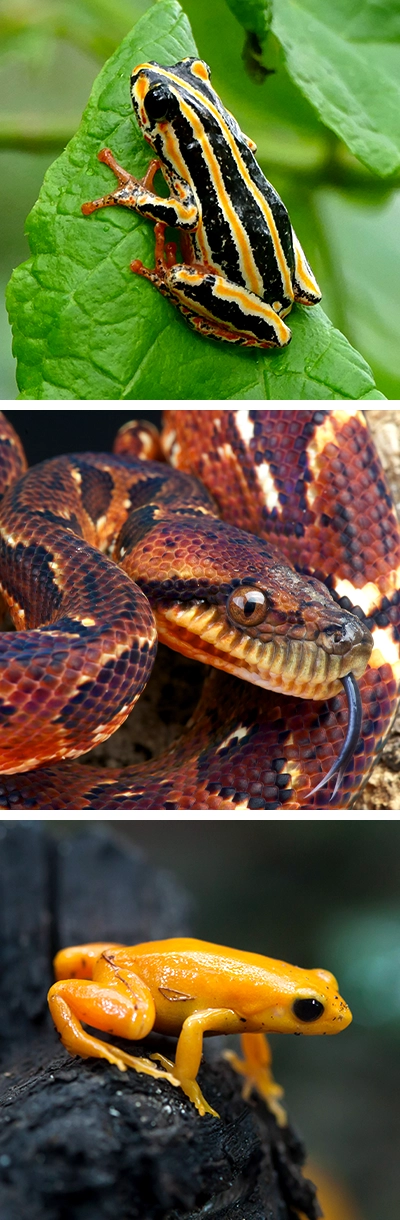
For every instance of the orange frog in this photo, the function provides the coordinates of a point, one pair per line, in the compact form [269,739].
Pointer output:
[190,988]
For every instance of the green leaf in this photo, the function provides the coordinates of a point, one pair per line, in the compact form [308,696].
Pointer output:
[278,107]
[366,253]
[85,327]
[253,15]
[341,63]
[359,20]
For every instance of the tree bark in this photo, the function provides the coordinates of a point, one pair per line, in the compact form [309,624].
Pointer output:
[78,1139]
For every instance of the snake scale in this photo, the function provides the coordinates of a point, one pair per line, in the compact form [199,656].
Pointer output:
[100,554]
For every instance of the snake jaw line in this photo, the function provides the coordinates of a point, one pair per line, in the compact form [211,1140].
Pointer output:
[285,665]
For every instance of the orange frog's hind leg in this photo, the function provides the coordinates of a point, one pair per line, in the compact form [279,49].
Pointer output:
[114,1000]
[78,962]
[256,1069]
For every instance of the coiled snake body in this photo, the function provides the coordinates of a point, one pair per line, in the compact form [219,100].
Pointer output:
[308,482]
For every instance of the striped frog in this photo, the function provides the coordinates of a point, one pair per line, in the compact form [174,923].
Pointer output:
[243,266]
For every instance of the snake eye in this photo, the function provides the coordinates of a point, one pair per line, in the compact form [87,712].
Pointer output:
[160,104]
[247,607]
[307,1010]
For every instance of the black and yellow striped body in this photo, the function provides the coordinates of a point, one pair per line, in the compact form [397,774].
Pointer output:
[243,266]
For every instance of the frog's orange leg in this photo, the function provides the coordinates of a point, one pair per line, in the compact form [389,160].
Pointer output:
[137,193]
[199,291]
[190,1047]
[256,1068]
[125,181]
[116,1001]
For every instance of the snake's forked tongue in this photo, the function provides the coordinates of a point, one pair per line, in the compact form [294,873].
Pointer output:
[354,705]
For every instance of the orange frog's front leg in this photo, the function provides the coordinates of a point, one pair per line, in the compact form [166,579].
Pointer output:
[95,988]
[190,1047]
[256,1069]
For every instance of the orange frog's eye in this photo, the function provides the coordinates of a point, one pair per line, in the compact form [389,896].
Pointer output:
[307,1010]
[247,607]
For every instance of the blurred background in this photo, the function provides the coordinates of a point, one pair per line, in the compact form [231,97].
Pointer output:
[46,434]
[321,894]
[346,218]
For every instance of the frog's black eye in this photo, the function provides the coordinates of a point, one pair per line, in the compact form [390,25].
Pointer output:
[307,1010]
[247,606]
[160,104]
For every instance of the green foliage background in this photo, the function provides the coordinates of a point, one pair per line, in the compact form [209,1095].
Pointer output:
[326,123]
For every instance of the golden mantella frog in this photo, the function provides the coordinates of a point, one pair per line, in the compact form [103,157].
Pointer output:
[243,266]
[190,988]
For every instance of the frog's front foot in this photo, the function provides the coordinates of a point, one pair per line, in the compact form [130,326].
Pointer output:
[260,1078]
[129,189]
[189,1087]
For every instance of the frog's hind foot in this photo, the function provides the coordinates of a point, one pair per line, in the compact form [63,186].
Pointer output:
[78,1041]
[143,1066]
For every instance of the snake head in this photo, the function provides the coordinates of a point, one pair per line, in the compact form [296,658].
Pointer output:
[230,600]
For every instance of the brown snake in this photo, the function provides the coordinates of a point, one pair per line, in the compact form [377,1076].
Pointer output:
[308,481]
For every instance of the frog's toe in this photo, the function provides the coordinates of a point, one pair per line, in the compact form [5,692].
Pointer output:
[194,1093]
[263,1082]
[119,1063]
[166,1063]
[144,1067]
[189,1087]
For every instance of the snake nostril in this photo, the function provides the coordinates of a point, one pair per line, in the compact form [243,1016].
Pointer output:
[334,632]
[345,636]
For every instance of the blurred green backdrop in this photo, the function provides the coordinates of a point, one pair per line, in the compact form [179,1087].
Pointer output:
[325,894]
[346,218]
